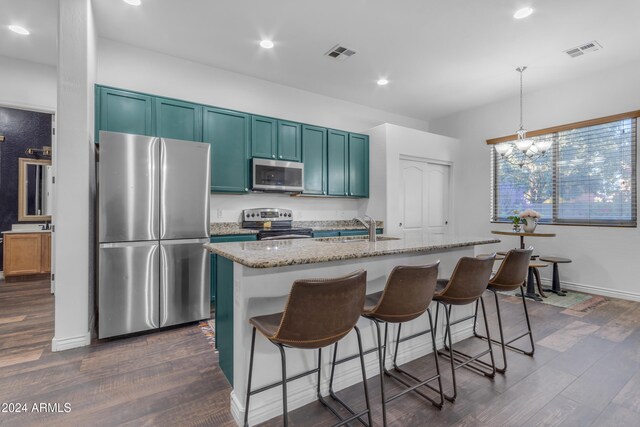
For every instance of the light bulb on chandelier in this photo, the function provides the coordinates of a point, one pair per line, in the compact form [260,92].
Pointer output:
[522,150]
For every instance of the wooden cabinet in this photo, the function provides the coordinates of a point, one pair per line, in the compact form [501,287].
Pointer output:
[178,120]
[27,254]
[276,139]
[264,137]
[358,165]
[314,157]
[337,162]
[228,133]
[289,141]
[127,112]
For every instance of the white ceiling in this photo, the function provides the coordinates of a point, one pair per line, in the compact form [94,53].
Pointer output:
[440,56]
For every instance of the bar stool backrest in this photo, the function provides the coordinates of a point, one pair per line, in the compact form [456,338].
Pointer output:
[320,312]
[407,294]
[468,281]
[513,270]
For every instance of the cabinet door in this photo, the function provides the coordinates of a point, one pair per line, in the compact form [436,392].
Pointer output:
[22,254]
[329,233]
[126,112]
[358,165]
[178,120]
[228,134]
[354,233]
[45,266]
[337,160]
[314,156]
[264,136]
[289,141]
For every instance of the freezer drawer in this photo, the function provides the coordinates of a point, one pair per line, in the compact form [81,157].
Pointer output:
[128,188]
[185,285]
[184,189]
[129,288]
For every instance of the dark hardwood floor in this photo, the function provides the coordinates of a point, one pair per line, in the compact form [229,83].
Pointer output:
[586,371]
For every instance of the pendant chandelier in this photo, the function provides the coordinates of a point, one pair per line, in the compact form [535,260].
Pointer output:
[523,150]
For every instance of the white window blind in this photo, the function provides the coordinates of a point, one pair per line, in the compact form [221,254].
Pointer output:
[588,177]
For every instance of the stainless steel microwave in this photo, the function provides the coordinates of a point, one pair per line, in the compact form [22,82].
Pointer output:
[277,175]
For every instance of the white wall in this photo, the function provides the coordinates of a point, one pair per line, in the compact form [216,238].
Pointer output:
[387,144]
[129,67]
[27,85]
[74,153]
[604,258]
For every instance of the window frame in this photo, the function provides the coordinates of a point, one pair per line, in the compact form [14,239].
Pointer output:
[554,220]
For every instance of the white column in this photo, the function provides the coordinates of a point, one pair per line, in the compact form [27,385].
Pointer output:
[75,164]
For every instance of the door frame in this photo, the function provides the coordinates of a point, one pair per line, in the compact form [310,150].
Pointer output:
[428,160]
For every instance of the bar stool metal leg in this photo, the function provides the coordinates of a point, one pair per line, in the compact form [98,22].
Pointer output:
[504,344]
[246,405]
[421,382]
[285,413]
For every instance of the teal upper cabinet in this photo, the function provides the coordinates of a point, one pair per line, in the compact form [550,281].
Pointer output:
[337,162]
[228,133]
[264,137]
[289,141]
[358,165]
[178,120]
[125,112]
[275,139]
[314,157]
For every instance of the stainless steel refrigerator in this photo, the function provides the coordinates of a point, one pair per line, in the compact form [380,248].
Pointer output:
[153,218]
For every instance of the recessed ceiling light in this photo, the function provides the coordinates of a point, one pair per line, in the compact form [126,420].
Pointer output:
[19,30]
[523,13]
[383,82]
[133,2]
[267,44]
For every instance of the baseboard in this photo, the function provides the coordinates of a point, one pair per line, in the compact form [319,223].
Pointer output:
[595,290]
[300,393]
[61,344]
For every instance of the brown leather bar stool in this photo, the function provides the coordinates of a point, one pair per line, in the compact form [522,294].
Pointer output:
[511,275]
[406,296]
[318,313]
[466,286]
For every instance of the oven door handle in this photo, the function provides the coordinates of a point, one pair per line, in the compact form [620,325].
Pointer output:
[286,236]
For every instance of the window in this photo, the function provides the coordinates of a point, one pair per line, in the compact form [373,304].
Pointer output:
[588,177]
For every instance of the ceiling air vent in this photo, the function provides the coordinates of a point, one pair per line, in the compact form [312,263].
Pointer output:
[585,48]
[340,52]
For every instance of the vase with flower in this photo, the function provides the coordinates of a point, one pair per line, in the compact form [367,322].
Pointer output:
[515,220]
[529,219]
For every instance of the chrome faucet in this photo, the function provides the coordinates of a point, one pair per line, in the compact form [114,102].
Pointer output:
[370,225]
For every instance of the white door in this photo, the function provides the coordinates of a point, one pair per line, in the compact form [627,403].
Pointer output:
[424,197]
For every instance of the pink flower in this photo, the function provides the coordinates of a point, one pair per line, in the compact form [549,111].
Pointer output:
[530,213]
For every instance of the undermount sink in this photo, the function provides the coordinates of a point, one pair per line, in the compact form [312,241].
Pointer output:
[354,239]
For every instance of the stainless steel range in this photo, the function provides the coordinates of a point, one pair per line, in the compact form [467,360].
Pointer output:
[274,224]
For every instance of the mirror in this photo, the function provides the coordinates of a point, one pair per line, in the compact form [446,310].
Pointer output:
[34,191]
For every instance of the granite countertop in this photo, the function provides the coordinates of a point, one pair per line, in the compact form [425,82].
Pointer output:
[279,253]
[228,228]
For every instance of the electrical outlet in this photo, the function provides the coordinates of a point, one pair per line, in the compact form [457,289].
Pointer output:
[219,213]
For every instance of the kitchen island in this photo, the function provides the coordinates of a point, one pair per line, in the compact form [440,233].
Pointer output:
[254,278]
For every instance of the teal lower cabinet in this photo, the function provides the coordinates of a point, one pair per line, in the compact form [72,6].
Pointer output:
[225,239]
[224,316]
[222,295]
[326,234]
[354,233]
[337,233]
